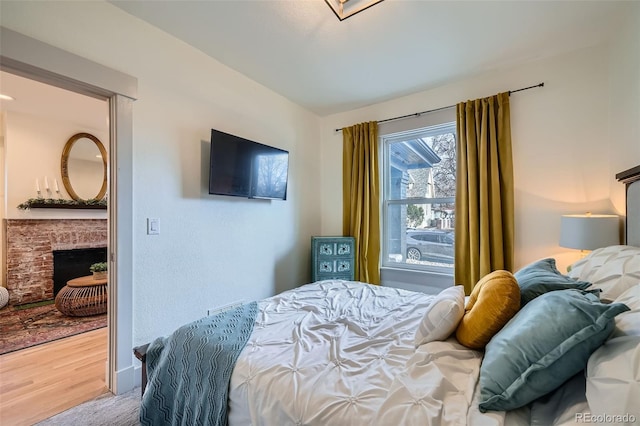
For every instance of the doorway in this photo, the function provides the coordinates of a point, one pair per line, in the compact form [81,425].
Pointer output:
[39,61]
[52,359]
[42,214]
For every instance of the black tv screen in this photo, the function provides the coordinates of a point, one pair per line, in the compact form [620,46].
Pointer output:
[243,168]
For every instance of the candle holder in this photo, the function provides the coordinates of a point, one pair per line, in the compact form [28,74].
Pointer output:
[48,193]
[39,194]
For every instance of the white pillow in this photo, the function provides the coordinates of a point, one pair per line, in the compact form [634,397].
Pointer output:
[442,316]
[628,323]
[613,370]
[611,269]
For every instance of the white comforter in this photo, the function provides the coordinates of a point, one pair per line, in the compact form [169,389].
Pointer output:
[342,353]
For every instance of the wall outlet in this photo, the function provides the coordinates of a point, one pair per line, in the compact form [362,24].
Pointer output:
[219,309]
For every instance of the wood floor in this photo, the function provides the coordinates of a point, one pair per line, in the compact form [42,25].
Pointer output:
[38,382]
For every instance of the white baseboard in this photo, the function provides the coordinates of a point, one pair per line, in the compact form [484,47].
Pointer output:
[126,379]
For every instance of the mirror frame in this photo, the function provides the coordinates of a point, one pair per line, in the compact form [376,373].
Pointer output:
[64,165]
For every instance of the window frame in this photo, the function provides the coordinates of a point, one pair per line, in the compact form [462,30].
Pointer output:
[386,141]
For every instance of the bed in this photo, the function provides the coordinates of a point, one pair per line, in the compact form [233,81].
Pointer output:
[347,353]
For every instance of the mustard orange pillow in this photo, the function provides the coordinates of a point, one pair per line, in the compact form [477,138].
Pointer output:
[493,301]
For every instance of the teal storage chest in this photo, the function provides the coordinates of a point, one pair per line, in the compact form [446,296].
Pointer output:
[333,258]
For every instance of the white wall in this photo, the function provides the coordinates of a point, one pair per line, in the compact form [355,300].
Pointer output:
[561,144]
[34,147]
[211,250]
[624,101]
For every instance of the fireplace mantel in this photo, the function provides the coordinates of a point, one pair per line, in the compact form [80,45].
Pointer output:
[60,203]
[68,206]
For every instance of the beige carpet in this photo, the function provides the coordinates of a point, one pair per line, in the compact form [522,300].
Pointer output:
[106,410]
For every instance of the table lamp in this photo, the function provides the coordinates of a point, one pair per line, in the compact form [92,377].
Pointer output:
[589,231]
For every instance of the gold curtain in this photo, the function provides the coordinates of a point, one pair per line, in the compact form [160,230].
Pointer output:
[484,220]
[361,197]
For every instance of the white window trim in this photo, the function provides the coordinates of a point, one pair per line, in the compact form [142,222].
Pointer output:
[430,282]
[429,279]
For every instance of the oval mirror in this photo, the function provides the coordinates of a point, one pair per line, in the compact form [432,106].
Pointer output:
[84,167]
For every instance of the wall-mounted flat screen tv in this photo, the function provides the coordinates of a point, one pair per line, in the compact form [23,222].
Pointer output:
[244,168]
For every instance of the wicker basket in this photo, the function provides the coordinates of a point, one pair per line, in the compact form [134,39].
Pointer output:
[82,301]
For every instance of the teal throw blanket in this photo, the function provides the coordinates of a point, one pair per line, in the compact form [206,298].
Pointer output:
[189,371]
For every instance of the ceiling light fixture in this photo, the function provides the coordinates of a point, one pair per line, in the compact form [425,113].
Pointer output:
[346,8]
[6,97]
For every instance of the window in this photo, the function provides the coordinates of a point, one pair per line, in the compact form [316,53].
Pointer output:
[419,198]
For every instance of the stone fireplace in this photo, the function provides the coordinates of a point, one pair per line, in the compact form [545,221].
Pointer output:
[30,244]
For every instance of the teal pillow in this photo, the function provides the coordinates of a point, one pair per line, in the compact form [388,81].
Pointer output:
[542,277]
[546,343]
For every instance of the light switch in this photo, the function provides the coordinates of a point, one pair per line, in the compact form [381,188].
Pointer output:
[153,226]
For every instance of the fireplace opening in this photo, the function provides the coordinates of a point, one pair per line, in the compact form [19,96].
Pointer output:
[70,264]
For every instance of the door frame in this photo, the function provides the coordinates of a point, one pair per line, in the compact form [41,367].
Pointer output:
[48,64]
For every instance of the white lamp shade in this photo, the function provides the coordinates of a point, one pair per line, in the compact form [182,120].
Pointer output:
[589,232]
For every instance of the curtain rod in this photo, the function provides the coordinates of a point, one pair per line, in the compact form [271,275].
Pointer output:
[418,114]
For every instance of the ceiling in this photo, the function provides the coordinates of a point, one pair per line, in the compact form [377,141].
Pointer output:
[299,49]
[38,99]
